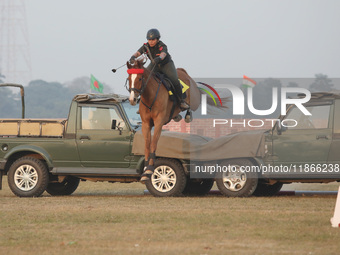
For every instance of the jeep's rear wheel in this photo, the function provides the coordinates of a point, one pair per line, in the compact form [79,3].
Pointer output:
[168,178]
[64,188]
[28,177]
[236,181]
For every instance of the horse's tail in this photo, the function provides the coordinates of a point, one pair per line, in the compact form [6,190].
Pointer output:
[213,95]
[183,70]
[196,92]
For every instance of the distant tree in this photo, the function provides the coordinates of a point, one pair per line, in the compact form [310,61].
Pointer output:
[263,92]
[263,95]
[44,99]
[321,83]
[47,100]
[82,85]
[292,84]
[79,85]
[10,106]
[107,89]
[1,78]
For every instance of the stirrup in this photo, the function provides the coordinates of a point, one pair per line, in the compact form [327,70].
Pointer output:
[177,118]
[184,106]
[188,116]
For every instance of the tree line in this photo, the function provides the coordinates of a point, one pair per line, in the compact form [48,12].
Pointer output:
[43,99]
[52,99]
[262,92]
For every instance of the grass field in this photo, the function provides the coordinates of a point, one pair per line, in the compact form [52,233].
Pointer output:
[104,218]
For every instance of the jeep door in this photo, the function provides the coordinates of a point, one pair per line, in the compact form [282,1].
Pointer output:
[103,137]
[334,154]
[306,141]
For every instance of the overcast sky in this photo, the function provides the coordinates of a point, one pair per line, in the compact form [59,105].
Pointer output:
[259,38]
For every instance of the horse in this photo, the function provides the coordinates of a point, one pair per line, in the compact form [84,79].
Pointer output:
[155,107]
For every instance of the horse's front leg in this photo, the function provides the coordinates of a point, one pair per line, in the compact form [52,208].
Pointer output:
[156,135]
[151,157]
[146,130]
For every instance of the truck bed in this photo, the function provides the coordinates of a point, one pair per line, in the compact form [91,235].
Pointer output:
[32,127]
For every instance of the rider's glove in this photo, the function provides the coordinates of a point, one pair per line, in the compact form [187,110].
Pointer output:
[157,60]
[132,59]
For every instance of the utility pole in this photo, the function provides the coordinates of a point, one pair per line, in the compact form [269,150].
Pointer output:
[15,59]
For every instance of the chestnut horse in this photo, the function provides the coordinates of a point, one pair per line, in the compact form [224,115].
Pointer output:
[156,107]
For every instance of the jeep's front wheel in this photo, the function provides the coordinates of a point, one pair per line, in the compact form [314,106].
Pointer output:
[168,178]
[28,177]
[236,181]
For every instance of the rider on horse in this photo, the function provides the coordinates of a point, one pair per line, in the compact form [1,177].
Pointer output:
[157,51]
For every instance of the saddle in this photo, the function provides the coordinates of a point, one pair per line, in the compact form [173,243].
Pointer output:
[170,87]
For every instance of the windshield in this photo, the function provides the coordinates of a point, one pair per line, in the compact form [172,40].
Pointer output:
[131,113]
[319,118]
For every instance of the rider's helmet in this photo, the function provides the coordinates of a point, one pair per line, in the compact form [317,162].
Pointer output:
[153,34]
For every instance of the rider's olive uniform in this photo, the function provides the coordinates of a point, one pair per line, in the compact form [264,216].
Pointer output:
[165,66]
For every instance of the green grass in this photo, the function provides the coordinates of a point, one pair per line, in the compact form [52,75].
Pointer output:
[104,218]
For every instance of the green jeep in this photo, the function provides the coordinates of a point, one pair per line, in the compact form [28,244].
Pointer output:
[299,148]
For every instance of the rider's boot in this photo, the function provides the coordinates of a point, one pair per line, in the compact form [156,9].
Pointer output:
[182,104]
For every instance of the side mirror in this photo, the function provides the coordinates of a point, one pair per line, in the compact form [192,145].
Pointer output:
[114,124]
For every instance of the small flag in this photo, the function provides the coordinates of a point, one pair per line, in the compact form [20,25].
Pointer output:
[248,83]
[96,85]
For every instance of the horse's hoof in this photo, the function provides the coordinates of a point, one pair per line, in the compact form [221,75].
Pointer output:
[177,118]
[188,117]
[144,179]
[149,170]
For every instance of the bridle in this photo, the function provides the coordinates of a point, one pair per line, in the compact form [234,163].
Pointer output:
[141,90]
[136,71]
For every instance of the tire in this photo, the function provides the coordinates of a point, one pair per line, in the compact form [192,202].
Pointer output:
[234,182]
[28,177]
[173,182]
[65,188]
[266,190]
[198,187]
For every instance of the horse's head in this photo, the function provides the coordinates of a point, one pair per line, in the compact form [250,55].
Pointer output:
[135,72]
